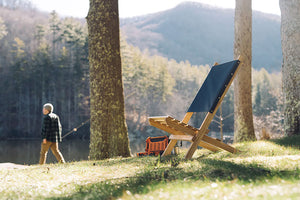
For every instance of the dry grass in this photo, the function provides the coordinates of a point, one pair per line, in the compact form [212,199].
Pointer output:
[261,170]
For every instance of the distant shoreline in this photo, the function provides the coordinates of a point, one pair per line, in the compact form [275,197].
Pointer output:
[33,139]
[23,139]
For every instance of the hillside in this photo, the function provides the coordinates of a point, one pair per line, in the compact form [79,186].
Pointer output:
[44,52]
[202,35]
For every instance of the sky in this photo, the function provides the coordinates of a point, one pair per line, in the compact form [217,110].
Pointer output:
[131,8]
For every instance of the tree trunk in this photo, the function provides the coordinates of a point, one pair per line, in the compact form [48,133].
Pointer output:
[290,42]
[109,135]
[243,119]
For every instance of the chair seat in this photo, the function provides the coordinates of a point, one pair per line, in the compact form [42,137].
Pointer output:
[174,124]
[185,132]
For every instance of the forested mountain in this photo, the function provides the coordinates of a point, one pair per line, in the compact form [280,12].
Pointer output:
[44,58]
[202,35]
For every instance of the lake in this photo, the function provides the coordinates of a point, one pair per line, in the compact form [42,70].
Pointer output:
[28,152]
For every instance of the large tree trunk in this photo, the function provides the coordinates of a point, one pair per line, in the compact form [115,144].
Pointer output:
[109,136]
[243,119]
[290,41]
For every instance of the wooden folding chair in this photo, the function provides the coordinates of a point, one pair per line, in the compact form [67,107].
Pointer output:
[208,99]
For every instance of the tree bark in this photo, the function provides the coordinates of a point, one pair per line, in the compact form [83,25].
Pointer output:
[290,42]
[109,136]
[243,119]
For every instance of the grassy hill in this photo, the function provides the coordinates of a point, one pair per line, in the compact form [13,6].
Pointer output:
[260,170]
[202,35]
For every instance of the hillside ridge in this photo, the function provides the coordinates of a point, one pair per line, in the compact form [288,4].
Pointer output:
[203,34]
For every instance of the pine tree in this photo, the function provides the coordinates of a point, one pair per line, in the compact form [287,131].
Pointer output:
[55,27]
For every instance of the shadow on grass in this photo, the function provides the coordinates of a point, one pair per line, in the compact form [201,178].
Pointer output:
[115,161]
[291,141]
[210,170]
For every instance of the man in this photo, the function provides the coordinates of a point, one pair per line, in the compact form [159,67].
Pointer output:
[51,134]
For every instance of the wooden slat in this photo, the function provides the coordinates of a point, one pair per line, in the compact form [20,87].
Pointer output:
[169,148]
[187,117]
[206,132]
[164,127]
[158,118]
[218,143]
[189,138]
[182,127]
[181,137]
[194,145]
[208,146]
[161,119]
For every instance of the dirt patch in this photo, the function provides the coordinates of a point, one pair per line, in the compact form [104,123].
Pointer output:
[12,166]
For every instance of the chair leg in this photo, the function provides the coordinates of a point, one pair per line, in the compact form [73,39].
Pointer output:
[219,144]
[194,146]
[169,148]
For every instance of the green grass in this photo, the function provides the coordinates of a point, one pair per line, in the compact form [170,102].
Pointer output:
[260,170]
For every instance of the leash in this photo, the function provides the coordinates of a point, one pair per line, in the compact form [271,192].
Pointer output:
[75,129]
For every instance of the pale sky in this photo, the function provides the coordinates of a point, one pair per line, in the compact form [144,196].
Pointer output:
[131,8]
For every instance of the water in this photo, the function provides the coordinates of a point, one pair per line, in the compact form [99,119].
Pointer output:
[28,152]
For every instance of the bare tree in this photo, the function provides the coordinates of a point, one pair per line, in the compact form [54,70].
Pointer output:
[109,136]
[243,118]
[290,40]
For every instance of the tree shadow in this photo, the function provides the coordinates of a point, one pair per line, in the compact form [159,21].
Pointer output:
[291,141]
[210,170]
[121,160]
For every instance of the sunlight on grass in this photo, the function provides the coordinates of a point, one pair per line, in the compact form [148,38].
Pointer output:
[260,170]
[266,148]
[57,179]
[219,190]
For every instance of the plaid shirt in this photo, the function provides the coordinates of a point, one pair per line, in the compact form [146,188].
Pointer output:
[51,129]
